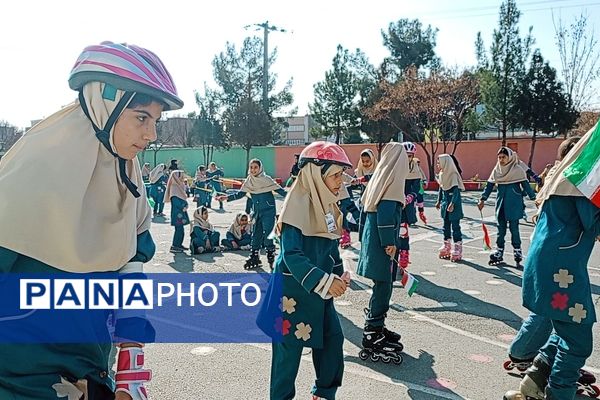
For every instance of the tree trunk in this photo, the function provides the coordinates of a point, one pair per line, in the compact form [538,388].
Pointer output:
[533,141]
[248,155]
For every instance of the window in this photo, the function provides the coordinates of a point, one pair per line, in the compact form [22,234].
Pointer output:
[295,128]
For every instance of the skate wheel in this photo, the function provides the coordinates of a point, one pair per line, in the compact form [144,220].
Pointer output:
[386,359]
[596,391]
[363,355]
[507,365]
[374,357]
[522,369]
[398,360]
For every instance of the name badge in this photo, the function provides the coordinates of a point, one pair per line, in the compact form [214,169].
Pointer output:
[331,225]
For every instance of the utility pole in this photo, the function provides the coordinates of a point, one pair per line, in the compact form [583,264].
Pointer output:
[266,29]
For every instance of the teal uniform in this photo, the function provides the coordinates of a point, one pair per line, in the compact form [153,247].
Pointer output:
[308,319]
[201,196]
[451,219]
[378,230]
[556,285]
[409,212]
[215,184]
[263,213]
[199,237]
[157,192]
[28,371]
[245,240]
[509,209]
[179,219]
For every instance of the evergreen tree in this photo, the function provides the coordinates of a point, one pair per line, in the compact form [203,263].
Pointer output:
[335,103]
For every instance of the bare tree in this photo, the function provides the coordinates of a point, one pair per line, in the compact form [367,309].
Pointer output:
[579,58]
[9,134]
[429,110]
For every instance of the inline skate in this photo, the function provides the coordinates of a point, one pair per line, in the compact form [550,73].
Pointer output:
[497,257]
[376,346]
[253,261]
[444,251]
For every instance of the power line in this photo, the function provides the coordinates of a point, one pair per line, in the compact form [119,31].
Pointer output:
[484,8]
[522,10]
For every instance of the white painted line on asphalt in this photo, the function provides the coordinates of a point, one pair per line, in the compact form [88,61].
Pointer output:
[494,282]
[203,350]
[420,317]
[472,292]
[448,304]
[428,273]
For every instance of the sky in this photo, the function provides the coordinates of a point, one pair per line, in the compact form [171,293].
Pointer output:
[40,40]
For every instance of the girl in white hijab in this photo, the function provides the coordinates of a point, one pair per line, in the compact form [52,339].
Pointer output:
[158,183]
[510,177]
[93,219]
[260,187]
[450,203]
[556,280]
[204,237]
[380,221]
[176,195]
[313,274]
[239,235]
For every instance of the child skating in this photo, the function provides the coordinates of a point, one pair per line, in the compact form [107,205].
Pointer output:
[214,176]
[158,182]
[450,203]
[202,194]
[313,274]
[347,206]
[409,213]
[239,235]
[422,186]
[536,329]
[260,187]
[511,179]
[204,238]
[380,221]
[556,282]
[175,194]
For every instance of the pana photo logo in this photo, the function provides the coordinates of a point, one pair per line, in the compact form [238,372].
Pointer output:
[75,294]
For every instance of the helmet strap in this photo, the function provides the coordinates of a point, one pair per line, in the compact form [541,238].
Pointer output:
[103,136]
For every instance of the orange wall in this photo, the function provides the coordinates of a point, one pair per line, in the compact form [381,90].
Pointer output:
[475,157]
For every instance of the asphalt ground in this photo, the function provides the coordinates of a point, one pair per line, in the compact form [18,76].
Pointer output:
[456,328]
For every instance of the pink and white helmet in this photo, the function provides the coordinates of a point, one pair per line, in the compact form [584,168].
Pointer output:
[126,67]
[322,153]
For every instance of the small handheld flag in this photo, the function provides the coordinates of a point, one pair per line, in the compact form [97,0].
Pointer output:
[487,245]
[409,282]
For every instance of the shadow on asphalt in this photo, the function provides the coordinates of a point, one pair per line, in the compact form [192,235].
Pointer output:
[412,370]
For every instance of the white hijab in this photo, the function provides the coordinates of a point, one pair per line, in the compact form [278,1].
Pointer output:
[157,172]
[512,172]
[261,183]
[387,182]
[78,217]
[449,177]
[309,201]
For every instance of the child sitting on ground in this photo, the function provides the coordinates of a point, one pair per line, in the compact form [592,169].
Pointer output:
[239,235]
[204,237]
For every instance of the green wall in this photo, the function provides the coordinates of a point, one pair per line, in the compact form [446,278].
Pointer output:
[232,161]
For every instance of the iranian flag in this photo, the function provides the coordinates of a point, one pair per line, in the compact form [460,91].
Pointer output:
[409,282]
[584,172]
